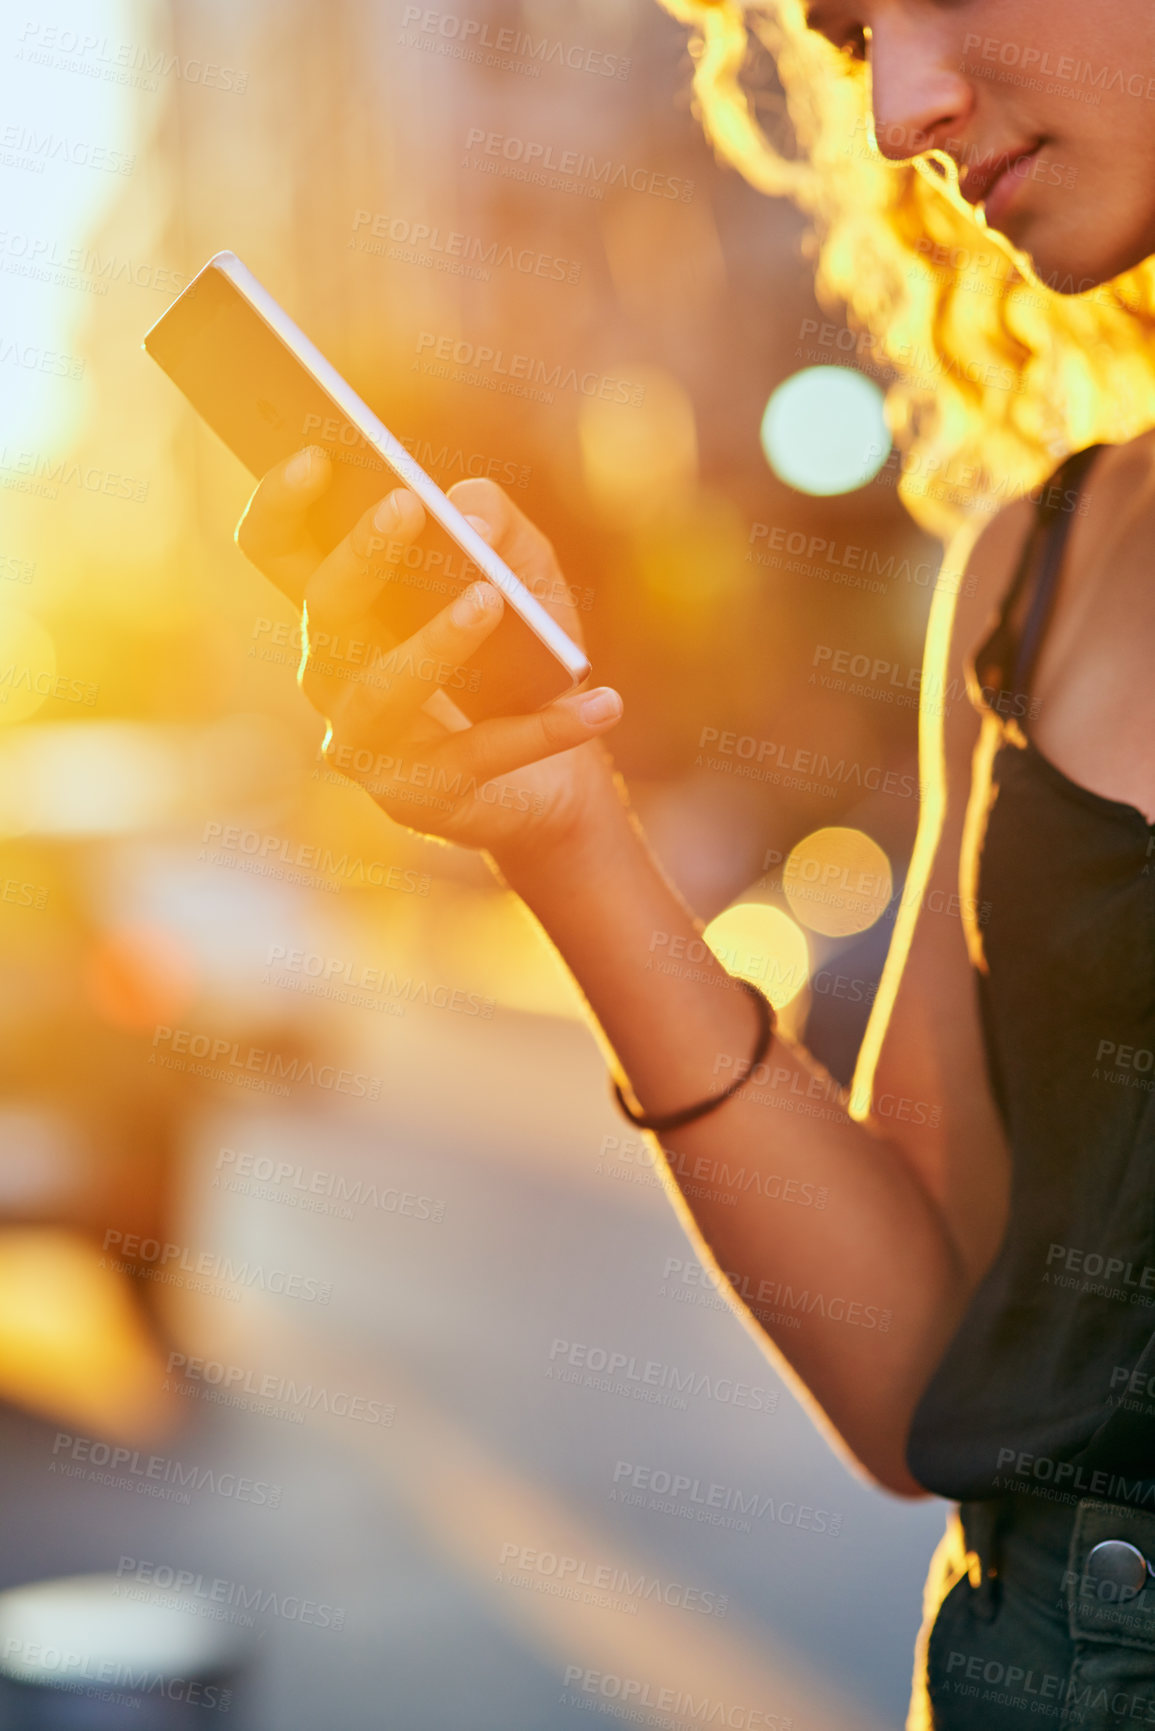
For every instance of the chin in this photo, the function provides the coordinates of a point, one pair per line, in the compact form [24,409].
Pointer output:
[1066,271]
[1067,265]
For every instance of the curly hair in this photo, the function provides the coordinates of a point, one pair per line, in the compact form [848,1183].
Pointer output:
[994,376]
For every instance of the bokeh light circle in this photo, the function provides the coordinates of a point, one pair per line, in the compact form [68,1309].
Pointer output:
[837,881]
[824,430]
[762,944]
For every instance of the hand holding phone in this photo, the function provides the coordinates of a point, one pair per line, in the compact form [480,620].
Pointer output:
[266,390]
[373,562]
[514,785]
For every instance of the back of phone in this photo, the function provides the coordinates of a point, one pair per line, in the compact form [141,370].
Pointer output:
[256,394]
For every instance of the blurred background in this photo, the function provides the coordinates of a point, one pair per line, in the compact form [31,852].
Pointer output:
[312,1195]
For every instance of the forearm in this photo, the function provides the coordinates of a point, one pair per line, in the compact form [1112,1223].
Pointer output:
[822,1226]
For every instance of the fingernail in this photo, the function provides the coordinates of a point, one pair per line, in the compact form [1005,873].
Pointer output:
[477,601]
[299,468]
[600,706]
[387,515]
[484,529]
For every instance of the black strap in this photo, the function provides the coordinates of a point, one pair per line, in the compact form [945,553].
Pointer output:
[1043,558]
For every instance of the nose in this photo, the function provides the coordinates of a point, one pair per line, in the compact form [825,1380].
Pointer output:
[919,94]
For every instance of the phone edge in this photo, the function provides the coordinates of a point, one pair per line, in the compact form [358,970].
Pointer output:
[373,430]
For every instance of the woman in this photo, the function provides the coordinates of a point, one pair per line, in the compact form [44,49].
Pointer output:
[1004,1229]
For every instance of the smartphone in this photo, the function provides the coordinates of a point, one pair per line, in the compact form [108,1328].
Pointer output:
[267,391]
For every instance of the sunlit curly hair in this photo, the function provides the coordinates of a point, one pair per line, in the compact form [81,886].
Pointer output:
[998,375]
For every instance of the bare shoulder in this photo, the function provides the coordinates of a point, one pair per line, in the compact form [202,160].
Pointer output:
[990,567]
[984,566]
[1114,509]
[1116,505]
[1125,472]
[1118,499]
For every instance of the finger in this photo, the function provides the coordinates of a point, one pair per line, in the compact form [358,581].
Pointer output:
[400,680]
[523,546]
[497,747]
[345,586]
[512,535]
[273,531]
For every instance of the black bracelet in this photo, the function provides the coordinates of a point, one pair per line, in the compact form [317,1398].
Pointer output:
[675,1120]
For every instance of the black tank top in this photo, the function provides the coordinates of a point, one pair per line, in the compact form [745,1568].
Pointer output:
[1049,1382]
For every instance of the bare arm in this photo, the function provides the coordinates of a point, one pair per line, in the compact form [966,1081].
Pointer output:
[917,1190]
[860,1296]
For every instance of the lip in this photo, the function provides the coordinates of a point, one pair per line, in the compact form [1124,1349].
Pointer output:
[993,182]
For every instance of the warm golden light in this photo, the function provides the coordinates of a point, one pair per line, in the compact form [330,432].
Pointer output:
[998,373]
[641,459]
[72,1343]
[139,975]
[837,881]
[27,665]
[763,945]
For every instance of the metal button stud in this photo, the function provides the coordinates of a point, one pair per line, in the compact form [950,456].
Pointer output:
[1119,1569]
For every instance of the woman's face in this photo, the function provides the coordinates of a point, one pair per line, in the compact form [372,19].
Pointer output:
[1047,106]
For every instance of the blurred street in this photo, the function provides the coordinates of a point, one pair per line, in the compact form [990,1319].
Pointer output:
[340,1313]
[409,1526]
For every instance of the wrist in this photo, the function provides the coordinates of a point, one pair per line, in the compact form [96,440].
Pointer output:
[573,848]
